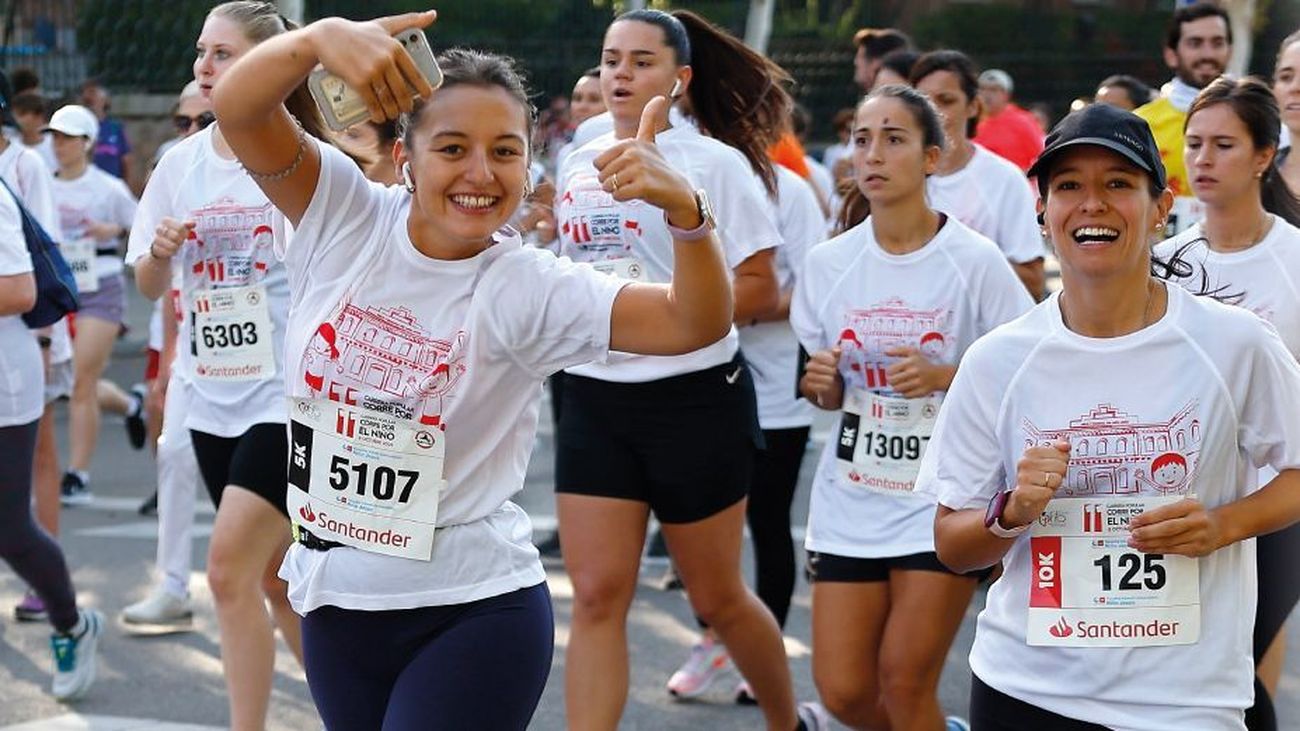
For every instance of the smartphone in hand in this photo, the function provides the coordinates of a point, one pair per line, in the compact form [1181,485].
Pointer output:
[343,107]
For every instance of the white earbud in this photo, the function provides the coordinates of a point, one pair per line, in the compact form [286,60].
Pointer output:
[677,89]
[406,177]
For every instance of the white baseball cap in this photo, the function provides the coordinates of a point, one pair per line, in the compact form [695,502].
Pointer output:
[74,120]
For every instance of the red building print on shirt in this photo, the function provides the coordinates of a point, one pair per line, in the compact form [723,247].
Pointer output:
[383,359]
[594,226]
[231,245]
[1115,453]
[868,333]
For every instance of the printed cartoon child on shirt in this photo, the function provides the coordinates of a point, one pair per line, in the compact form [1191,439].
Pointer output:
[230,246]
[593,226]
[868,333]
[384,360]
[1114,453]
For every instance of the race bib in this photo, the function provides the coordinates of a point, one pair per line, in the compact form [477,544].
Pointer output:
[230,334]
[1088,588]
[882,439]
[1186,211]
[364,479]
[80,255]
[624,268]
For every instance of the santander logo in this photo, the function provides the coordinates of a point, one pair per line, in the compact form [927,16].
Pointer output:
[307,514]
[1060,629]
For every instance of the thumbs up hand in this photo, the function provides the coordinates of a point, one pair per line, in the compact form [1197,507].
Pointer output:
[634,169]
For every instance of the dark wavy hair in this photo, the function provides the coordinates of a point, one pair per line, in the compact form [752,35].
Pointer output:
[961,66]
[464,66]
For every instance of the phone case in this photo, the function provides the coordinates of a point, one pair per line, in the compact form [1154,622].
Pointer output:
[342,107]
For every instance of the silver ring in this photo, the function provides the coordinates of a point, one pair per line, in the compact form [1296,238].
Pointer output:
[1047,479]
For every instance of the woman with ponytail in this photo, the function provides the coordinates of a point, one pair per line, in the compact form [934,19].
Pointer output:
[674,436]
[1248,247]
[205,232]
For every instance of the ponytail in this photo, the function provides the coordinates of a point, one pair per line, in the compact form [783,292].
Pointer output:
[737,95]
[1277,197]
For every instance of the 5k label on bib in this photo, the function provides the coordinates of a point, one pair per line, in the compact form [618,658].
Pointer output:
[365,479]
[1088,588]
[230,334]
[882,439]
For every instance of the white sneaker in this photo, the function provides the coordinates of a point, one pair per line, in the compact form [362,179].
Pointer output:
[160,608]
[813,716]
[74,656]
[956,723]
[708,661]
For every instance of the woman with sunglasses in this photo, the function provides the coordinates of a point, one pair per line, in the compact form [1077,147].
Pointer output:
[1107,453]
[1247,248]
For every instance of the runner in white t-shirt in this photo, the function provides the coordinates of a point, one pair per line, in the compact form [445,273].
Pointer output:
[206,229]
[772,353]
[1247,249]
[673,436]
[95,213]
[886,311]
[1106,452]
[26,547]
[973,185]
[420,334]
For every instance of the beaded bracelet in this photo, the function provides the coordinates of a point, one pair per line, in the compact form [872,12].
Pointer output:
[293,166]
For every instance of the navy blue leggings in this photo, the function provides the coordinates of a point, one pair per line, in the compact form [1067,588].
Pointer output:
[477,665]
[24,544]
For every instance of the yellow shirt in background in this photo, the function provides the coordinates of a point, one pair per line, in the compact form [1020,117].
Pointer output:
[1167,126]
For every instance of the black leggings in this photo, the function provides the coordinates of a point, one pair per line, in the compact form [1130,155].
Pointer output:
[1279,589]
[24,544]
[993,710]
[771,492]
[480,665]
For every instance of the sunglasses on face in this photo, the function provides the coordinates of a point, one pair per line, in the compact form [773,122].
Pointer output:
[185,123]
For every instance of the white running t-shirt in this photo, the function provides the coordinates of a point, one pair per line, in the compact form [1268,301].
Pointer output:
[95,197]
[1208,388]
[992,196]
[595,228]
[854,294]
[1265,277]
[461,346]
[22,377]
[771,348]
[231,246]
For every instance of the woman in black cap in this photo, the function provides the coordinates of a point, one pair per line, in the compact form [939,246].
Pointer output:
[1108,459]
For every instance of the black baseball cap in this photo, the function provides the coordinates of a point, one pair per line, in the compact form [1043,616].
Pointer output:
[1106,126]
[6,99]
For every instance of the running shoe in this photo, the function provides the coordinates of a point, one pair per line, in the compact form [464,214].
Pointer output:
[73,490]
[135,430]
[74,656]
[670,581]
[149,507]
[708,661]
[160,609]
[30,609]
[955,723]
[813,717]
[745,695]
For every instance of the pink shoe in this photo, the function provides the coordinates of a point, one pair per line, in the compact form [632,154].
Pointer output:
[707,662]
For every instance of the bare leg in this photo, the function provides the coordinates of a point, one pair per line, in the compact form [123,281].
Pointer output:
[245,537]
[707,556]
[601,540]
[91,348]
[848,626]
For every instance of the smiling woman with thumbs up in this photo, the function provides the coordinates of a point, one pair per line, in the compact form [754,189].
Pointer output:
[419,335]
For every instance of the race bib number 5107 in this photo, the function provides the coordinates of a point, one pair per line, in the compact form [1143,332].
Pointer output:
[364,479]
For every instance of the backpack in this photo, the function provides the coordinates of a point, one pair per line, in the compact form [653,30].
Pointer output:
[56,289]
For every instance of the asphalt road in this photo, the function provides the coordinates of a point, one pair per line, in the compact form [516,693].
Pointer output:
[177,678]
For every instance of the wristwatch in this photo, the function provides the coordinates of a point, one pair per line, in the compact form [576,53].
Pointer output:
[993,517]
[707,222]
